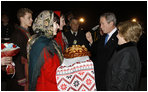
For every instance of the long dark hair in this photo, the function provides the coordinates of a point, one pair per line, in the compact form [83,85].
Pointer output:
[56,19]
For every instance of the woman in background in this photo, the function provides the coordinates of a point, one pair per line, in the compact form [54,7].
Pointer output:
[60,37]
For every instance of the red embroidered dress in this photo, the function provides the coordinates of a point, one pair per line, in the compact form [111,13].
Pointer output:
[47,80]
[45,55]
[59,40]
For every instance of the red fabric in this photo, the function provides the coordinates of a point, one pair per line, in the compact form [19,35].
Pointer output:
[58,13]
[3,46]
[59,40]
[47,79]
[10,53]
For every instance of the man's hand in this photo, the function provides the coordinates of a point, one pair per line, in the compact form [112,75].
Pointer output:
[89,37]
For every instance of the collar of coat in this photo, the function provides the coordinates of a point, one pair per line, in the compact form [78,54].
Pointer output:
[120,47]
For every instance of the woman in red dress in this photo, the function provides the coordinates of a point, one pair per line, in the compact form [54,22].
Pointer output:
[60,37]
[44,54]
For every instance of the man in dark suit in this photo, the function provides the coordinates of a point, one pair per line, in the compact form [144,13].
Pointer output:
[104,48]
[75,36]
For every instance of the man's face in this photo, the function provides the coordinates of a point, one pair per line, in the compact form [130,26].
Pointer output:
[74,25]
[105,26]
[62,22]
[27,19]
[55,28]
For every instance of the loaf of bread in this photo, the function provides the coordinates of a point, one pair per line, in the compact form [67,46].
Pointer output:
[76,51]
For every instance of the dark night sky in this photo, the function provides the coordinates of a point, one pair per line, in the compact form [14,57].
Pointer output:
[90,10]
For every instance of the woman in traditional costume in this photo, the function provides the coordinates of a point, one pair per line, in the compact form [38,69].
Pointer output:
[44,53]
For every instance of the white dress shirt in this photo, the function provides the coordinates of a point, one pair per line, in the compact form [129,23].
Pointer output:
[111,33]
[74,32]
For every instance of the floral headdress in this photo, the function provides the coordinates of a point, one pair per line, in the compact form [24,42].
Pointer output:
[43,23]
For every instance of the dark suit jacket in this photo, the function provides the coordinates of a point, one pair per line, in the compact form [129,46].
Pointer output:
[102,56]
[80,37]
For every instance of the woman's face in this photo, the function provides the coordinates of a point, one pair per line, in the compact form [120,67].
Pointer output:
[55,28]
[120,39]
[62,22]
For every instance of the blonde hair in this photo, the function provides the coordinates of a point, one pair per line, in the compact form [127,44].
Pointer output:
[130,31]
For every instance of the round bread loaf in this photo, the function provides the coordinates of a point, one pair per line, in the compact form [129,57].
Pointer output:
[76,51]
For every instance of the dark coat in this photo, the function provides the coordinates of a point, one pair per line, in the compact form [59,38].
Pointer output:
[80,37]
[20,38]
[6,32]
[124,69]
[102,54]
